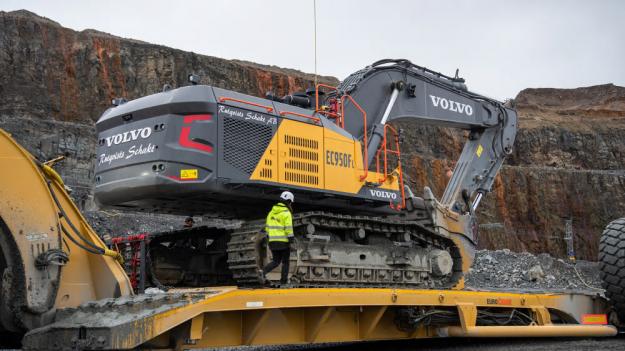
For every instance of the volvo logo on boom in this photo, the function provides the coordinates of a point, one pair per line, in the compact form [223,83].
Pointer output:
[451,105]
[125,137]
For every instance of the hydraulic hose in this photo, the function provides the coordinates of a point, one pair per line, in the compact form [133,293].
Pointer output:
[88,249]
[71,225]
[56,257]
[93,248]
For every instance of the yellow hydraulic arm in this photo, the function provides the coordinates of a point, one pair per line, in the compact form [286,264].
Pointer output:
[50,257]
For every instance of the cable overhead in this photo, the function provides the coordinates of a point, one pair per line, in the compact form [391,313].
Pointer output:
[315,36]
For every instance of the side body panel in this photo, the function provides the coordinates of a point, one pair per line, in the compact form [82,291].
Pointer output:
[310,156]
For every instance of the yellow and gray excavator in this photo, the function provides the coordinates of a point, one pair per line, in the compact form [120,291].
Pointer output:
[202,150]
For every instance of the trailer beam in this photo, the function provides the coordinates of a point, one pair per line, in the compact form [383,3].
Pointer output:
[581,331]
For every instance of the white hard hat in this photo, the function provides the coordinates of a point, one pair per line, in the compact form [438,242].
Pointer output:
[287,196]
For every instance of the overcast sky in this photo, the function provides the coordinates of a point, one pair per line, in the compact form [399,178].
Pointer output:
[499,46]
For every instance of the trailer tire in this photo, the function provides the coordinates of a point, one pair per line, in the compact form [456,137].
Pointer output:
[612,265]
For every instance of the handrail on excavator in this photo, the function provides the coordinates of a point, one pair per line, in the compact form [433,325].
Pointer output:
[365,164]
[223,99]
[396,151]
[386,150]
[284,113]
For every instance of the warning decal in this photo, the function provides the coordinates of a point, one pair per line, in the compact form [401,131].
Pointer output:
[188,174]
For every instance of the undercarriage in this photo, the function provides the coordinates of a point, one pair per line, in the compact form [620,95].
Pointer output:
[329,250]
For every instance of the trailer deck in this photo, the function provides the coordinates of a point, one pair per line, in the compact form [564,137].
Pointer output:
[229,316]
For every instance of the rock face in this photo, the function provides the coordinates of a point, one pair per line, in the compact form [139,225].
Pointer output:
[54,72]
[568,161]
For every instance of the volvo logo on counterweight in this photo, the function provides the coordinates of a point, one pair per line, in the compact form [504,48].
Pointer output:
[451,105]
[125,137]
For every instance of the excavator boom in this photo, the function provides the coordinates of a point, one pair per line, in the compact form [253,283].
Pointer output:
[395,90]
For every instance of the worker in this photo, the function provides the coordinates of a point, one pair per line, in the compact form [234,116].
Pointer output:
[279,228]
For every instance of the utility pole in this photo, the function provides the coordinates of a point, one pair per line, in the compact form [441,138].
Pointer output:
[568,238]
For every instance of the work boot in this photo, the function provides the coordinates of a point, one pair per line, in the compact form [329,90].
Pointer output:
[261,278]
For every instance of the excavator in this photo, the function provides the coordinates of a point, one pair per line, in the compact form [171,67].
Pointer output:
[368,266]
[202,150]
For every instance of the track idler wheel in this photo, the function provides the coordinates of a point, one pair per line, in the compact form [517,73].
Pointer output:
[441,261]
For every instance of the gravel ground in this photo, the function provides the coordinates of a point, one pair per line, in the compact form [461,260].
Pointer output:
[505,269]
[115,223]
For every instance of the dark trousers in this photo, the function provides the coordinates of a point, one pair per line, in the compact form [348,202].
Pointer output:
[281,255]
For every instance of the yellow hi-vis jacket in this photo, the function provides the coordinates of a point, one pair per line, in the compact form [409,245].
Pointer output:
[279,225]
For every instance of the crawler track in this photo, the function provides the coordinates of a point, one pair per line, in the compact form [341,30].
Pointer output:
[247,253]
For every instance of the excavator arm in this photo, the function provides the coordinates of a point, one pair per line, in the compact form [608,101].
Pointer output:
[393,90]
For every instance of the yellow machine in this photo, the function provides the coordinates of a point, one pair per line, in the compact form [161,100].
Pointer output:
[50,257]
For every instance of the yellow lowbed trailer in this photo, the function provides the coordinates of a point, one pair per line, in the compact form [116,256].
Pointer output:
[228,316]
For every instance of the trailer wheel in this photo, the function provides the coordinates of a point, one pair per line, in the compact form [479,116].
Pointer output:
[612,265]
